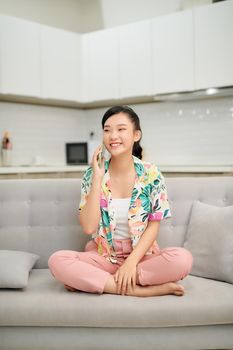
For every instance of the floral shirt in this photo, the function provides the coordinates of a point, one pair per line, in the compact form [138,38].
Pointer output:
[149,202]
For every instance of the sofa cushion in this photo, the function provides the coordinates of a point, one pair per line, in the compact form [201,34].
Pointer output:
[15,267]
[45,302]
[210,240]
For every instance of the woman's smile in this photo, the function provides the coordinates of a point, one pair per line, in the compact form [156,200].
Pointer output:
[115,144]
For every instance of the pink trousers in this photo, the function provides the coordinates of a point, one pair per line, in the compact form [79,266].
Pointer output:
[88,271]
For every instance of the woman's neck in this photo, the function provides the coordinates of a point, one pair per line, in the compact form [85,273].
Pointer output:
[121,165]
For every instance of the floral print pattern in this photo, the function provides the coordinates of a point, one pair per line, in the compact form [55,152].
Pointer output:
[149,202]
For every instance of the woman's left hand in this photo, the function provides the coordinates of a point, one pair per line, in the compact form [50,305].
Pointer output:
[125,277]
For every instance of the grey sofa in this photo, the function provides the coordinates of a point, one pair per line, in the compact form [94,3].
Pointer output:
[40,216]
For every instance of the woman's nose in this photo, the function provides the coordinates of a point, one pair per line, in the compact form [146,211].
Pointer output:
[113,135]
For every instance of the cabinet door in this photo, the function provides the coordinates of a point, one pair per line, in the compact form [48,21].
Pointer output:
[172,53]
[135,59]
[60,64]
[100,64]
[214,45]
[20,58]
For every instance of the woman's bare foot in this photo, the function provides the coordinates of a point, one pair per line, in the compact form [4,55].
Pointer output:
[146,291]
[158,290]
[70,289]
[177,289]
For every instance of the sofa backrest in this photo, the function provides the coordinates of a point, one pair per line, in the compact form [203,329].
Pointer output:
[40,215]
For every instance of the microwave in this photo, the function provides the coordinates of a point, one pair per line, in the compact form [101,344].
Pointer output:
[77,153]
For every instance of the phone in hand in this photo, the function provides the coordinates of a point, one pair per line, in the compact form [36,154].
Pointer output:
[101,155]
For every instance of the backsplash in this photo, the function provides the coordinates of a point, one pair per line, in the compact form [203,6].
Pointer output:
[174,133]
[41,131]
[184,133]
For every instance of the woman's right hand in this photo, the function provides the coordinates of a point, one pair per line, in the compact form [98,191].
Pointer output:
[98,171]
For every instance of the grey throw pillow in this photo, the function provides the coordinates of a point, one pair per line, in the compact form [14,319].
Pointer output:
[210,239]
[15,267]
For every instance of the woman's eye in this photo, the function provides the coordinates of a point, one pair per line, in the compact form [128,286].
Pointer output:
[122,129]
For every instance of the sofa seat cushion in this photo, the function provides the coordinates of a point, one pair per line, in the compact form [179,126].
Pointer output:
[45,302]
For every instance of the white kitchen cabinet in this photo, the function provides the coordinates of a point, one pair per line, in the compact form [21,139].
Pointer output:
[135,59]
[61,75]
[100,65]
[172,53]
[214,45]
[20,58]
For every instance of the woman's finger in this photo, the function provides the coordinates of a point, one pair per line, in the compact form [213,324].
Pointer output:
[115,276]
[103,162]
[119,283]
[125,283]
[95,155]
[134,280]
[129,286]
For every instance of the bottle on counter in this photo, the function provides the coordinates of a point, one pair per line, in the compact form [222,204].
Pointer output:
[6,149]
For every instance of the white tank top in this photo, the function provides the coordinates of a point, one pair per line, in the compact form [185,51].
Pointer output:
[121,206]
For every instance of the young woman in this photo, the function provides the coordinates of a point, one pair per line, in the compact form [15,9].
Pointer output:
[122,203]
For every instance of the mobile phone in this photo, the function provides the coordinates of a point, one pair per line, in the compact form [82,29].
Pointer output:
[101,155]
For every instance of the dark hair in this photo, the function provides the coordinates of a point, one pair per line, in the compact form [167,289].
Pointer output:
[137,149]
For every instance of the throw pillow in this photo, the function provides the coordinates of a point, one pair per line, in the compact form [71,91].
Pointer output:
[210,239]
[15,267]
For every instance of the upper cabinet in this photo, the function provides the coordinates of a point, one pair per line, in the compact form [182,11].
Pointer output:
[213,33]
[100,65]
[172,53]
[184,51]
[61,74]
[135,59]
[19,57]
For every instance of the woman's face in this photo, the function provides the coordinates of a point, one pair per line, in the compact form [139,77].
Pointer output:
[119,134]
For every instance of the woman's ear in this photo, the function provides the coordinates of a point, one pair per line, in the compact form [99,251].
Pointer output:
[137,135]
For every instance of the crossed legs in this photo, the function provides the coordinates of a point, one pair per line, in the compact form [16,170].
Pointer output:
[90,272]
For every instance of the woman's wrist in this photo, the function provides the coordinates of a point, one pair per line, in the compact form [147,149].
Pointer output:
[131,259]
[97,180]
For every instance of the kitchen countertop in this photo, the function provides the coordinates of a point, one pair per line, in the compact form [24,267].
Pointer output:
[41,168]
[82,168]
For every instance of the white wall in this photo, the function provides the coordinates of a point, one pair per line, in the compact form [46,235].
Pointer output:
[126,11]
[89,15]
[73,15]
[41,130]
[184,133]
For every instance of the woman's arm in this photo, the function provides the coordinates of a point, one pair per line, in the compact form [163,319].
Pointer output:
[89,215]
[145,242]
